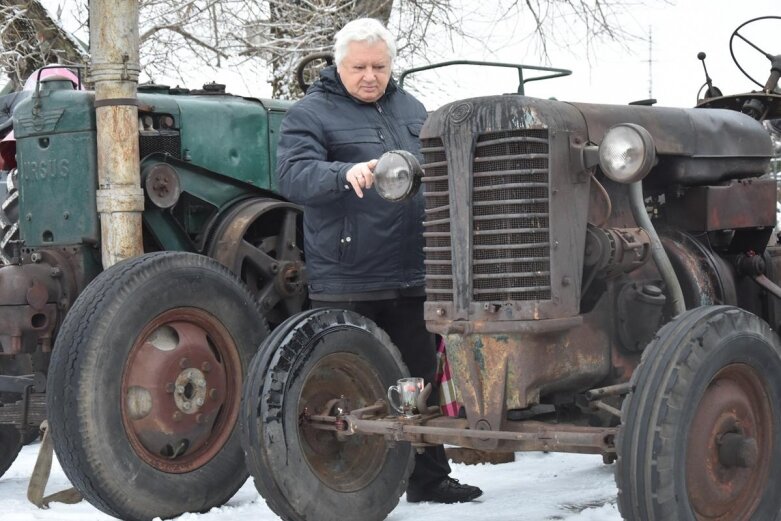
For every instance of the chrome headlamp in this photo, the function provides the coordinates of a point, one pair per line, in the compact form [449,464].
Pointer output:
[397,175]
[627,153]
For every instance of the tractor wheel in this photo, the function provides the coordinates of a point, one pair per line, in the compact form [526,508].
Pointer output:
[700,438]
[10,445]
[307,364]
[16,365]
[144,386]
[9,214]
[260,240]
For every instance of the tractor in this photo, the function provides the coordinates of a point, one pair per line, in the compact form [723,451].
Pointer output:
[139,368]
[606,280]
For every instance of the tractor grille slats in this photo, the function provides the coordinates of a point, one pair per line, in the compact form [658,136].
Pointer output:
[439,260]
[510,210]
[510,216]
[165,141]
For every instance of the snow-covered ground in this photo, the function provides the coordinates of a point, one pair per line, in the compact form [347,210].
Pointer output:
[536,487]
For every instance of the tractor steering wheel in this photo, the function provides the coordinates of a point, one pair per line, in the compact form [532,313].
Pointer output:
[773,59]
[302,71]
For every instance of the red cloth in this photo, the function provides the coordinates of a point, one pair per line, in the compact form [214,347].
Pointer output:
[448,401]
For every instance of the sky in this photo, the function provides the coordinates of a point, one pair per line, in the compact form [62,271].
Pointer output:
[618,72]
[602,71]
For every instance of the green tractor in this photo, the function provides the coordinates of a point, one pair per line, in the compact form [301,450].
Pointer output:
[143,372]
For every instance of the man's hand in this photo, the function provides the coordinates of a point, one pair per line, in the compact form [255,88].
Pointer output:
[361,176]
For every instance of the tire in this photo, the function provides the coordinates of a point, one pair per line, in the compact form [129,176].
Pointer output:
[10,445]
[154,345]
[699,439]
[16,365]
[9,215]
[304,474]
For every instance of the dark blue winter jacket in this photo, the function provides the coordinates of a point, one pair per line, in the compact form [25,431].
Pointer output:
[352,245]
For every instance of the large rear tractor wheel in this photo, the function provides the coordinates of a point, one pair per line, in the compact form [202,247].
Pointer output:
[701,434]
[315,363]
[261,241]
[10,445]
[144,386]
[9,214]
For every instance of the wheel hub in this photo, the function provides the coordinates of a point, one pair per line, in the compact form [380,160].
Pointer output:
[339,382]
[727,456]
[180,390]
[190,390]
[736,450]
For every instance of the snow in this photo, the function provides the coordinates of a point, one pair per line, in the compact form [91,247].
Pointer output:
[536,487]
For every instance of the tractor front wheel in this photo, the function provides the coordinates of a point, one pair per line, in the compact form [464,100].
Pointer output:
[322,362]
[144,386]
[700,433]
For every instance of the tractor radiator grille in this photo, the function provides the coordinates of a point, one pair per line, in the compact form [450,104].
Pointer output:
[436,227]
[510,216]
[162,141]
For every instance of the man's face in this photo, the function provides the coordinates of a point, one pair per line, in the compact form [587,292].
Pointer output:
[365,70]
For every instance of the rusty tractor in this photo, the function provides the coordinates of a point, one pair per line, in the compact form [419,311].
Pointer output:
[606,280]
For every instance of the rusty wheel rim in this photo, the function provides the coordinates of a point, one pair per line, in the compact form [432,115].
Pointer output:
[344,464]
[258,242]
[180,390]
[729,446]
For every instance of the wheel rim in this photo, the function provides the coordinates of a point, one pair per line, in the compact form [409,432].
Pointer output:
[181,390]
[258,242]
[729,447]
[344,464]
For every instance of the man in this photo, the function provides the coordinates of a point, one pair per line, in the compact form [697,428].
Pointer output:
[363,253]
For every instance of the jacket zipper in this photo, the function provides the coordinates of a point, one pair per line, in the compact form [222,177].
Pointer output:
[396,143]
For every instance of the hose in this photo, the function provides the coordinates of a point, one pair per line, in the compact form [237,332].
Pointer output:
[637,203]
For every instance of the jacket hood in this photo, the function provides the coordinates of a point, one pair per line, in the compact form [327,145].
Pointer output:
[330,82]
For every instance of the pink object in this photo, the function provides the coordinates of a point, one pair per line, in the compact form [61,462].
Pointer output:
[8,152]
[51,74]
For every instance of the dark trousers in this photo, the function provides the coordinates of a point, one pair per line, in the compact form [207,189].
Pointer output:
[402,319]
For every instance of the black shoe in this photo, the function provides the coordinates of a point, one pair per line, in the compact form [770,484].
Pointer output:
[448,490]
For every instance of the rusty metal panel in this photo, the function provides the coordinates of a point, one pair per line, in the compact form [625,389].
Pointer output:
[497,372]
[710,208]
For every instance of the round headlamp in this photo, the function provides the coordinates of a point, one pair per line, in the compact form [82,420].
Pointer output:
[627,153]
[397,175]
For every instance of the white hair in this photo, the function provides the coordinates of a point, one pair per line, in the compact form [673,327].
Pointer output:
[366,30]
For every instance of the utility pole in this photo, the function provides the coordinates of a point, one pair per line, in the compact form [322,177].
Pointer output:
[650,62]
[114,69]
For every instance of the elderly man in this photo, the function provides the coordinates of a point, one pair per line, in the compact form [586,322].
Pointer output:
[362,252]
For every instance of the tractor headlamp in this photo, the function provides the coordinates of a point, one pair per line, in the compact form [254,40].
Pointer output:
[397,175]
[627,153]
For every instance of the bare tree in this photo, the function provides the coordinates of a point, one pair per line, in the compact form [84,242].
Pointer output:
[176,36]
[30,39]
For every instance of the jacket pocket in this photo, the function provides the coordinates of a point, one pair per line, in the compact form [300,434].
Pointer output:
[354,145]
[414,129]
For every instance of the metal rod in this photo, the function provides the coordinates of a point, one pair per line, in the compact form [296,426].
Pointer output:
[610,390]
[599,404]
[535,436]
